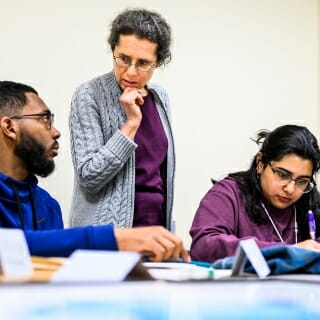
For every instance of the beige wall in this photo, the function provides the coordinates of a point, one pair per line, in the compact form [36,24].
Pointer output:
[238,66]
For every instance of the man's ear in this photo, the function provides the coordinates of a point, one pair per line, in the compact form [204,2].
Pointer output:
[259,163]
[8,128]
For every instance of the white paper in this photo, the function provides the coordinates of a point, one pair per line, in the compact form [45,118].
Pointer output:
[96,266]
[175,271]
[248,249]
[14,253]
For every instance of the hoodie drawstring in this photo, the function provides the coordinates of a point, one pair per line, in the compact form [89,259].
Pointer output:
[33,207]
[34,214]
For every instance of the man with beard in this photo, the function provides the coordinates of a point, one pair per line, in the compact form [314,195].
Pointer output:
[28,144]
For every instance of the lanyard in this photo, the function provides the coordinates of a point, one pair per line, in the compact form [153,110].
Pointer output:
[275,227]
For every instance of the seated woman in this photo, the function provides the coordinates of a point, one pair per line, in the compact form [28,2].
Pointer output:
[269,202]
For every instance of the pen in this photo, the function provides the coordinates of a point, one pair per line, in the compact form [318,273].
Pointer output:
[194,262]
[312,225]
[202,264]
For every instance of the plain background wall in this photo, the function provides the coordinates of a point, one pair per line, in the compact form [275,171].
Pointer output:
[238,66]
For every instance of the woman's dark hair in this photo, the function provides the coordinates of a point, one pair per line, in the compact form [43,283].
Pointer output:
[13,97]
[145,25]
[284,140]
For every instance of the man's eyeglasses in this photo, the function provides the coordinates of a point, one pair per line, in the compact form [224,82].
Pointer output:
[283,177]
[141,65]
[47,118]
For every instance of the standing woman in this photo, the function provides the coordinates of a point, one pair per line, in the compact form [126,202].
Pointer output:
[121,138]
[269,202]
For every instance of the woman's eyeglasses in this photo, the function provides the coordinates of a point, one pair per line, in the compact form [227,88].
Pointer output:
[283,177]
[141,65]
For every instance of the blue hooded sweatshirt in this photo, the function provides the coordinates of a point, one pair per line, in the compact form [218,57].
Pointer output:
[25,205]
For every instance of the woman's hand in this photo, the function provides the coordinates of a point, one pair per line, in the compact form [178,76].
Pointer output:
[309,244]
[131,99]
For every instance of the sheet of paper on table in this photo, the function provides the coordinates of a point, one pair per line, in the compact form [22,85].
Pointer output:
[177,271]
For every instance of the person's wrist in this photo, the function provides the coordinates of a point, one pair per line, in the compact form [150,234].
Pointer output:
[118,236]
[130,127]
[122,235]
[133,123]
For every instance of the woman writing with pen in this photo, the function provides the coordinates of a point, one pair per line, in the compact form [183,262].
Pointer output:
[274,202]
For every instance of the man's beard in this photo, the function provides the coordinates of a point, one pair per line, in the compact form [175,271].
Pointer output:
[34,156]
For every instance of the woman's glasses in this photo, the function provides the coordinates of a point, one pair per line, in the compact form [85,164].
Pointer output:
[141,65]
[283,177]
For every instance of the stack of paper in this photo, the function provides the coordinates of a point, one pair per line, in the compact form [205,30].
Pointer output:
[177,271]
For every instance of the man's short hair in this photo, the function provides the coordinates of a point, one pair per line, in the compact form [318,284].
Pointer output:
[13,97]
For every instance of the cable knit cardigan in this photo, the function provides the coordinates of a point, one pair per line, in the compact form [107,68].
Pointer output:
[104,159]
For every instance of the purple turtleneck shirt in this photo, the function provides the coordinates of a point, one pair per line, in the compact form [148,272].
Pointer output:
[150,155]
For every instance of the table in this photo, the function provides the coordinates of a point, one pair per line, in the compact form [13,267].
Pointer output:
[158,300]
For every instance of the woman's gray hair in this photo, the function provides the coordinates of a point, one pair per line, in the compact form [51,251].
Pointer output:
[145,25]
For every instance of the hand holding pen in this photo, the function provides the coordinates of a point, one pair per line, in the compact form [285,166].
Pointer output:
[310,244]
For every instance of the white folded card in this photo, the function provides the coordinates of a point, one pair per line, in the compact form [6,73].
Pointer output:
[248,249]
[96,266]
[14,253]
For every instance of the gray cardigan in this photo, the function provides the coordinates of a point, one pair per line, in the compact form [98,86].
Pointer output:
[104,159]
